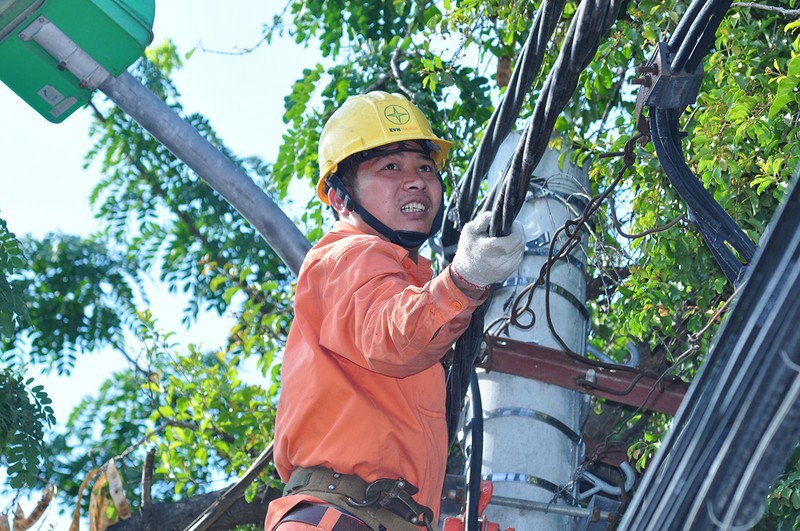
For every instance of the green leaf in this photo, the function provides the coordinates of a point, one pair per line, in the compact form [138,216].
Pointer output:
[795,498]
[779,103]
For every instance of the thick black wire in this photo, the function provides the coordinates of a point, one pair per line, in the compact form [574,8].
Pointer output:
[685,23]
[592,19]
[714,223]
[583,30]
[692,40]
[476,457]
[736,428]
[466,352]
[463,201]
[502,120]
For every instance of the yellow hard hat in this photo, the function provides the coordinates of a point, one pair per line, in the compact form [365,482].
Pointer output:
[372,120]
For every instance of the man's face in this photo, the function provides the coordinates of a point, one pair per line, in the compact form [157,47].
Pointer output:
[401,189]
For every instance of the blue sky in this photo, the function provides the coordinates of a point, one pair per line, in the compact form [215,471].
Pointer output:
[45,187]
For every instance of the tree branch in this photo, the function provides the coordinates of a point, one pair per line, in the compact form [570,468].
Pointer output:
[223,503]
[147,482]
[774,9]
[180,514]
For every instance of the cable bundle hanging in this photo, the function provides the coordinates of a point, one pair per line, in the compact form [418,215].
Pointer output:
[592,19]
[670,82]
[694,34]
[462,207]
[714,224]
[740,420]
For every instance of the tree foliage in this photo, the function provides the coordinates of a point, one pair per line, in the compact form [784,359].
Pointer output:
[13,311]
[653,282]
[25,414]
[80,297]
[25,411]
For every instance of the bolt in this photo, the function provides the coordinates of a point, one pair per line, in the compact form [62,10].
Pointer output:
[646,80]
[331,487]
[647,69]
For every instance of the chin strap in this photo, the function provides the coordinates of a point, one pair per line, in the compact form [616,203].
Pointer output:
[404,238]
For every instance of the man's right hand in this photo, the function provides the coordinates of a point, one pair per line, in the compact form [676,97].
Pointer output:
[482,260]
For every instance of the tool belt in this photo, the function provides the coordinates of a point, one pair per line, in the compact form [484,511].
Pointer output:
[383,504]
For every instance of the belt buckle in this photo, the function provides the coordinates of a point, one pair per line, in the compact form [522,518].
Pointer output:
[395,495]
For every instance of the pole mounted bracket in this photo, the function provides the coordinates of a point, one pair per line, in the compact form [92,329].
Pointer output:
[66,52]
[661,87]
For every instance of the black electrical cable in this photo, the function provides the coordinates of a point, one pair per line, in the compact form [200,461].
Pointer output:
[716,226]
[463,201]
[502,120]
[740,420]
[685,23]
[476,457]
[741,417]
[691,45]
[592,19]
[460,371]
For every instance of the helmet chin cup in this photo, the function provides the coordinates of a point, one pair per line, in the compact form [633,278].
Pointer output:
[409,239]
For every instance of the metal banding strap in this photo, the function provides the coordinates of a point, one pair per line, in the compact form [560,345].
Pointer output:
[517,477]
[544,251]
[555,288]
[575,200]
[536,415]
[540,246]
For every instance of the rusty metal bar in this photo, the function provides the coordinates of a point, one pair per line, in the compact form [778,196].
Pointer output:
[558,368]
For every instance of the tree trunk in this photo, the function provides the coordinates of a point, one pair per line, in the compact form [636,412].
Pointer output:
[177,516]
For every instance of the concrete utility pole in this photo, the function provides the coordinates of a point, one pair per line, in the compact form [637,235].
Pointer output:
[529,451]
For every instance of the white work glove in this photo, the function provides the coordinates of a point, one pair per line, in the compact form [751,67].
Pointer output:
[482,260]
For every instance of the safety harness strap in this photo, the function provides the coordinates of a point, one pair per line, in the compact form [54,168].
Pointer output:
[379,507]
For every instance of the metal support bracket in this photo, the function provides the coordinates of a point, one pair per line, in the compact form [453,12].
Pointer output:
[558,368]
[661,87]
[66,52]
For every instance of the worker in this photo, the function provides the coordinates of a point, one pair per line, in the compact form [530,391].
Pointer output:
[361,436]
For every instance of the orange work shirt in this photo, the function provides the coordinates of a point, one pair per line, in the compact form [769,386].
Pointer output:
[362,386]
